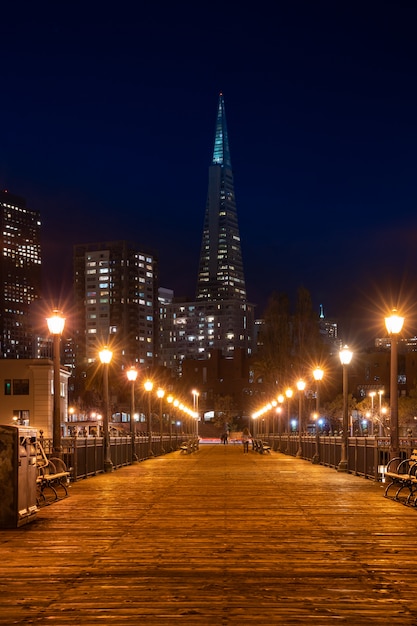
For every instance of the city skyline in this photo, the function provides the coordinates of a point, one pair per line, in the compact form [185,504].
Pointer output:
[108,128]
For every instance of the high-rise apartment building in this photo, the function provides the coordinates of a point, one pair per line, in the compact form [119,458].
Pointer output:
[20,275]
[116,299]
[220,318]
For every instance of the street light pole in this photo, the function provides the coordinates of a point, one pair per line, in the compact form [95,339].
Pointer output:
[105,357]
[380,427]
[132,375]
[56,325]
[300,386]
[289,393]
[195,409]
[176,404]
[394,325]
[170,400]
[345,358]
[318,376]
[372,395]
[281,401]
[160,393]
[148,387]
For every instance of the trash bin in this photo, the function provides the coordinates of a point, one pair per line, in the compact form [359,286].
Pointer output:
[17,476]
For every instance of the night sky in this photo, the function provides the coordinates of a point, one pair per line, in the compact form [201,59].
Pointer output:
[107,125]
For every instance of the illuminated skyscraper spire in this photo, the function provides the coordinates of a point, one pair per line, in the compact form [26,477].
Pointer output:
[220,275]
[221,153]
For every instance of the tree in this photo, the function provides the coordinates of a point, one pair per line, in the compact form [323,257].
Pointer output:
[307,344]
[289,345]
[274,353]
[334,411]
[224,412]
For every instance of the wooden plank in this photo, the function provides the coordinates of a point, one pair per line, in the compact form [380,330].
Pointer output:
[216,537]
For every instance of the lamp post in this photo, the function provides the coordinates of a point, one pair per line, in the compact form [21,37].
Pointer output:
[148,387]
[318,374]
[195,408]
[132,375]
[345,358]
[273,413]
[170,400]
[160,393]
[278,412]
[372,395]
[56,325]
[300,386]
[394,325]
[380,429]
[384,411]
[177,422]
[289,394]
[105,357]
[281,400]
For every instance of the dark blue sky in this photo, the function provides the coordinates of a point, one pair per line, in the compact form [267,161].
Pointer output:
[108,116]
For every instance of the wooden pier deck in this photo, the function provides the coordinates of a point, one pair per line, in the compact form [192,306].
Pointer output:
[216,537]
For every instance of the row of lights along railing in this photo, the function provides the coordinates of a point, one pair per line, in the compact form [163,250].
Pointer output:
[394,324]
[56,325]
[301,385]
[132,374]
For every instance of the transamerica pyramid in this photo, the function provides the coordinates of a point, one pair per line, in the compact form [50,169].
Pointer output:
[220,275]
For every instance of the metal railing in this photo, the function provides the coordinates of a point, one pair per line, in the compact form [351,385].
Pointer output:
[367,456]
[85,455]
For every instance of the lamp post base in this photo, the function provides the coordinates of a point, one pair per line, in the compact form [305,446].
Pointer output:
[108,466]
[343,466]
[316,459]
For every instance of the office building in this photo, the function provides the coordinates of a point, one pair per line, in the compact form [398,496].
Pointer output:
[220,275]
[116,300]
[20,275]
[220,318]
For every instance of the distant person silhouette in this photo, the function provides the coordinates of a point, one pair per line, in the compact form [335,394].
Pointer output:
[246,437]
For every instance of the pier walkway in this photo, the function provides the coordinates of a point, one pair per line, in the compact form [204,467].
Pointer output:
[216,537]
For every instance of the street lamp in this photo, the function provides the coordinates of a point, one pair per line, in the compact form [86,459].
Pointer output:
[380,430]
[300,386]
[345,358]
[132,375]
[274,410]
[105,357]
[195,408]
[170,400]
[148,387]
[318,374]
[56,325]
[281,400]
[384,411]
[288,393]
[394,324]
[372,395]
[160,393]
[177,422]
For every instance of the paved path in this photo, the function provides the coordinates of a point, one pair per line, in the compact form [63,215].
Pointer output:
[214,538]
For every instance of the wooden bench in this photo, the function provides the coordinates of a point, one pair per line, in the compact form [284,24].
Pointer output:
[184,447]
[260,446]
[265,447]
[192,445]
[52,479]
[402,474]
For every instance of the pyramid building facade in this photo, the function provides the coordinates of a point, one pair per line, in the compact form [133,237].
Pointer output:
[220,275]
[220,318]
